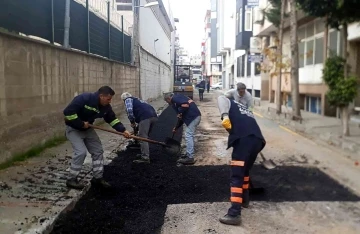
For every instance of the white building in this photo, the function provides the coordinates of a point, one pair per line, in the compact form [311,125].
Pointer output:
[156,37]
[226,11]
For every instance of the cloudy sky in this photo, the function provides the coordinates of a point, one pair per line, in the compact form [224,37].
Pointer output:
[191,15]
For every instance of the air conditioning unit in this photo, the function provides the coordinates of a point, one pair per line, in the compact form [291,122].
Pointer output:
[258,15]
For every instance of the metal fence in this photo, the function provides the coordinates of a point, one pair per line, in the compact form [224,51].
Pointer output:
[90,30]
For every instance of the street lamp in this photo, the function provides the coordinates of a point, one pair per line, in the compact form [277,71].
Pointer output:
[150,4]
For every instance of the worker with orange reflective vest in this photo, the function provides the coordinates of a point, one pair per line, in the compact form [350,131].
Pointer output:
[247,141]
[82,111]
[188,113]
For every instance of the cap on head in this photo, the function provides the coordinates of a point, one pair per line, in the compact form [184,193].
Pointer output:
[240,86]
[125,95]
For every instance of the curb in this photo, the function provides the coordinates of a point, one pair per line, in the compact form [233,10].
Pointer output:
[338,145]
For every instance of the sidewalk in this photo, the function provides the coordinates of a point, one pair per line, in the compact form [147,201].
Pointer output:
[328,130]
[33,193]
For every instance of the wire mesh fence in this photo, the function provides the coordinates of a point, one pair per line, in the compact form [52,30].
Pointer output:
[94,26]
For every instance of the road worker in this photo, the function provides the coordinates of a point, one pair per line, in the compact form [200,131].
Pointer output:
[201,87]
[82,111]
[144,115]
[247,141]
[241,95]
[188,113]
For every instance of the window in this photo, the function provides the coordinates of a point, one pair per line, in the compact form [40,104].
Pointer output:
[248,19]
[319,50]
[124,7]
[301,54]
[237,23]
[248,69]
[238,67]
[240,20]
[341,49]
[311,47]
[309,52]
[257,69]
[333,41]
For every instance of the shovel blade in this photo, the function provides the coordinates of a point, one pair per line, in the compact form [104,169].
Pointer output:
[269,164]
[172,147]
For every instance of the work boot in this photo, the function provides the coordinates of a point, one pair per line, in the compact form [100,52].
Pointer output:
[75,184]
[231,220]
[142,159]
[183,156]
[100,183]
[246,198]
[186,161]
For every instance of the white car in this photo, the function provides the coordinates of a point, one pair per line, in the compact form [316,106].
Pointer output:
[217,86]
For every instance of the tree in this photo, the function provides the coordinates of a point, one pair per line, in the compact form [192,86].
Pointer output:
[294,60]
[342,90]
[276,15]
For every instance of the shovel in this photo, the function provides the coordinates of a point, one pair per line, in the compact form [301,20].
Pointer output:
[268,164]
[171,146]
[172,141]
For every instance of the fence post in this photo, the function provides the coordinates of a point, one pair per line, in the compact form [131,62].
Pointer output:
[67,24]
[123,38]
[52,23]
[88,25]
[109,29]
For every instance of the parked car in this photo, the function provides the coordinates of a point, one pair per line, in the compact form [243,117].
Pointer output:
[217,86]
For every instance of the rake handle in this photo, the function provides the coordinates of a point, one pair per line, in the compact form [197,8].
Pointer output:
[131,136]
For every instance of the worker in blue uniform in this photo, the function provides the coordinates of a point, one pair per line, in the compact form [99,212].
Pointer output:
[82,111]
[247,141]
[144,115]
[188,113]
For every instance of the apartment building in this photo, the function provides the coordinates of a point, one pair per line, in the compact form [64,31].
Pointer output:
[215,58]
[245,71]
[311,59]
[206,47]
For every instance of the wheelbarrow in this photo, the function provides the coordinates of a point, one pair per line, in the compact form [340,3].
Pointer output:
[170,145]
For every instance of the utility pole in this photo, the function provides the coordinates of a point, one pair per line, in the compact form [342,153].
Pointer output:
[67,24]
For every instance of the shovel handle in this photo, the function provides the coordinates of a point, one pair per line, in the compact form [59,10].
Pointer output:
[131,136]
[177,123]
[262,156]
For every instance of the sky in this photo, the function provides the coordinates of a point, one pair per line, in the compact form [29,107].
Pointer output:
[191,15]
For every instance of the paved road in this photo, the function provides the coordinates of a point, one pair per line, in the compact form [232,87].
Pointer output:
[313,189]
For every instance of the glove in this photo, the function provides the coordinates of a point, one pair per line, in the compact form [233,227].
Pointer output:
[226,123]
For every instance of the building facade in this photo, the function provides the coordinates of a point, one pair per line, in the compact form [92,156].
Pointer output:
[246,72]
[154,32]
[311,59]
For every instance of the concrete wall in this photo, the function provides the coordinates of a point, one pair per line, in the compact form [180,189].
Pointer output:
[37,80]
[155,76]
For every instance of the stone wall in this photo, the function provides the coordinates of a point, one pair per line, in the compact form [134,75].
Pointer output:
[37,80]
[155,76]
